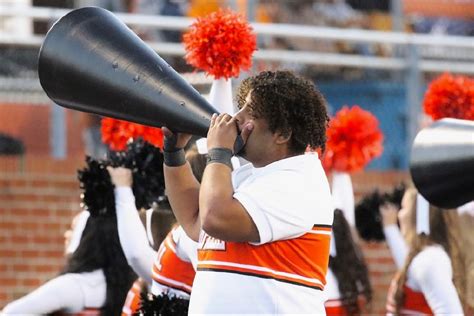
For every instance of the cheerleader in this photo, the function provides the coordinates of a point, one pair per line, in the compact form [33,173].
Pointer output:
[97,276]
[140,232]
[170,270]
[429,280]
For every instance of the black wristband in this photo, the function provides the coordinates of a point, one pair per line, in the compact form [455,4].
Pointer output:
[174,158]
[220,155]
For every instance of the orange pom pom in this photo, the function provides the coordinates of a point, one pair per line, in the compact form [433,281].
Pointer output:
[221,44]
[450,96]
[354,139]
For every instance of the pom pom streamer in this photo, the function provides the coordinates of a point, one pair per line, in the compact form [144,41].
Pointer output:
[98,191]
[151,305]
[221,44]
[450,96]
[354,139]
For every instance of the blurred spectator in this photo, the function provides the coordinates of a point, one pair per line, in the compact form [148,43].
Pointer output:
[111,5]
[338,13]
[370,5]
[443,26]
[173,8]
[199,8]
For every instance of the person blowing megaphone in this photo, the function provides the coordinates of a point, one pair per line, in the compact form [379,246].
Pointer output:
[259,226]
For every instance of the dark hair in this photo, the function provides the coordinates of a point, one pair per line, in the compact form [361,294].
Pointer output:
[349,266]
[291,105]
[100,248]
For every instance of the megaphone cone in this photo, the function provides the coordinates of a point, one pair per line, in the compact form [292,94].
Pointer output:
[90,61]
[442,162]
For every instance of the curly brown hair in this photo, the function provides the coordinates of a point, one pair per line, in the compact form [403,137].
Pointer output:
[290,105]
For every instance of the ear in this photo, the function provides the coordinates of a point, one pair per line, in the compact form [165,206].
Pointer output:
[282,138]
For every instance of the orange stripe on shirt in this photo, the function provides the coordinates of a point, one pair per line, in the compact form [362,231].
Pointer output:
[302,261]
[170,270]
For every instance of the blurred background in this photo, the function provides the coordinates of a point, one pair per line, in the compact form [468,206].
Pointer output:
[377,54]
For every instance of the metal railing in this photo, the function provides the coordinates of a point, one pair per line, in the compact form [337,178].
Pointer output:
[410,41]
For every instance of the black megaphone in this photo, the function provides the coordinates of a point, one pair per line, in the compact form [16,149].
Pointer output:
[442,162]
[92,62]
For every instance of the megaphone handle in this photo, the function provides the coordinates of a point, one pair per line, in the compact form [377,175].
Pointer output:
[238,145]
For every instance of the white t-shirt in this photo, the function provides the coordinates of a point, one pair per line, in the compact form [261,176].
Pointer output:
[291,205]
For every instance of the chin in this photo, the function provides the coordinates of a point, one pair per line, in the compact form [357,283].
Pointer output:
[242,153]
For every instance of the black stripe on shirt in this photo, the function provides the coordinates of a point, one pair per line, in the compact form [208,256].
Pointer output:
[316,287]
[322,226]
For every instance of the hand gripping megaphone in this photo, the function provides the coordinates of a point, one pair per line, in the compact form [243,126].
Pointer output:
[92,62]
[442,162]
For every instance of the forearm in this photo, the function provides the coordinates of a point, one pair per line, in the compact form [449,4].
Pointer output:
[182,190]
[132,234]
[396,244]
[215,200]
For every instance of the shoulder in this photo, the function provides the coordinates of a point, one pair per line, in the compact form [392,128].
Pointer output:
[431,261]
[432,255]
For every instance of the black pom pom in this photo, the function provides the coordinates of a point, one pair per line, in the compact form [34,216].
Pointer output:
[146,163]
[162,305]
[98,191]
[367,213]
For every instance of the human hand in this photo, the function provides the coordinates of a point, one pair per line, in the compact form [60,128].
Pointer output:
[389,214]
[174,141]
[120,177]
[223,132]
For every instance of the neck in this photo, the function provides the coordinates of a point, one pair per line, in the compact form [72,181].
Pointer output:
[272,158]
